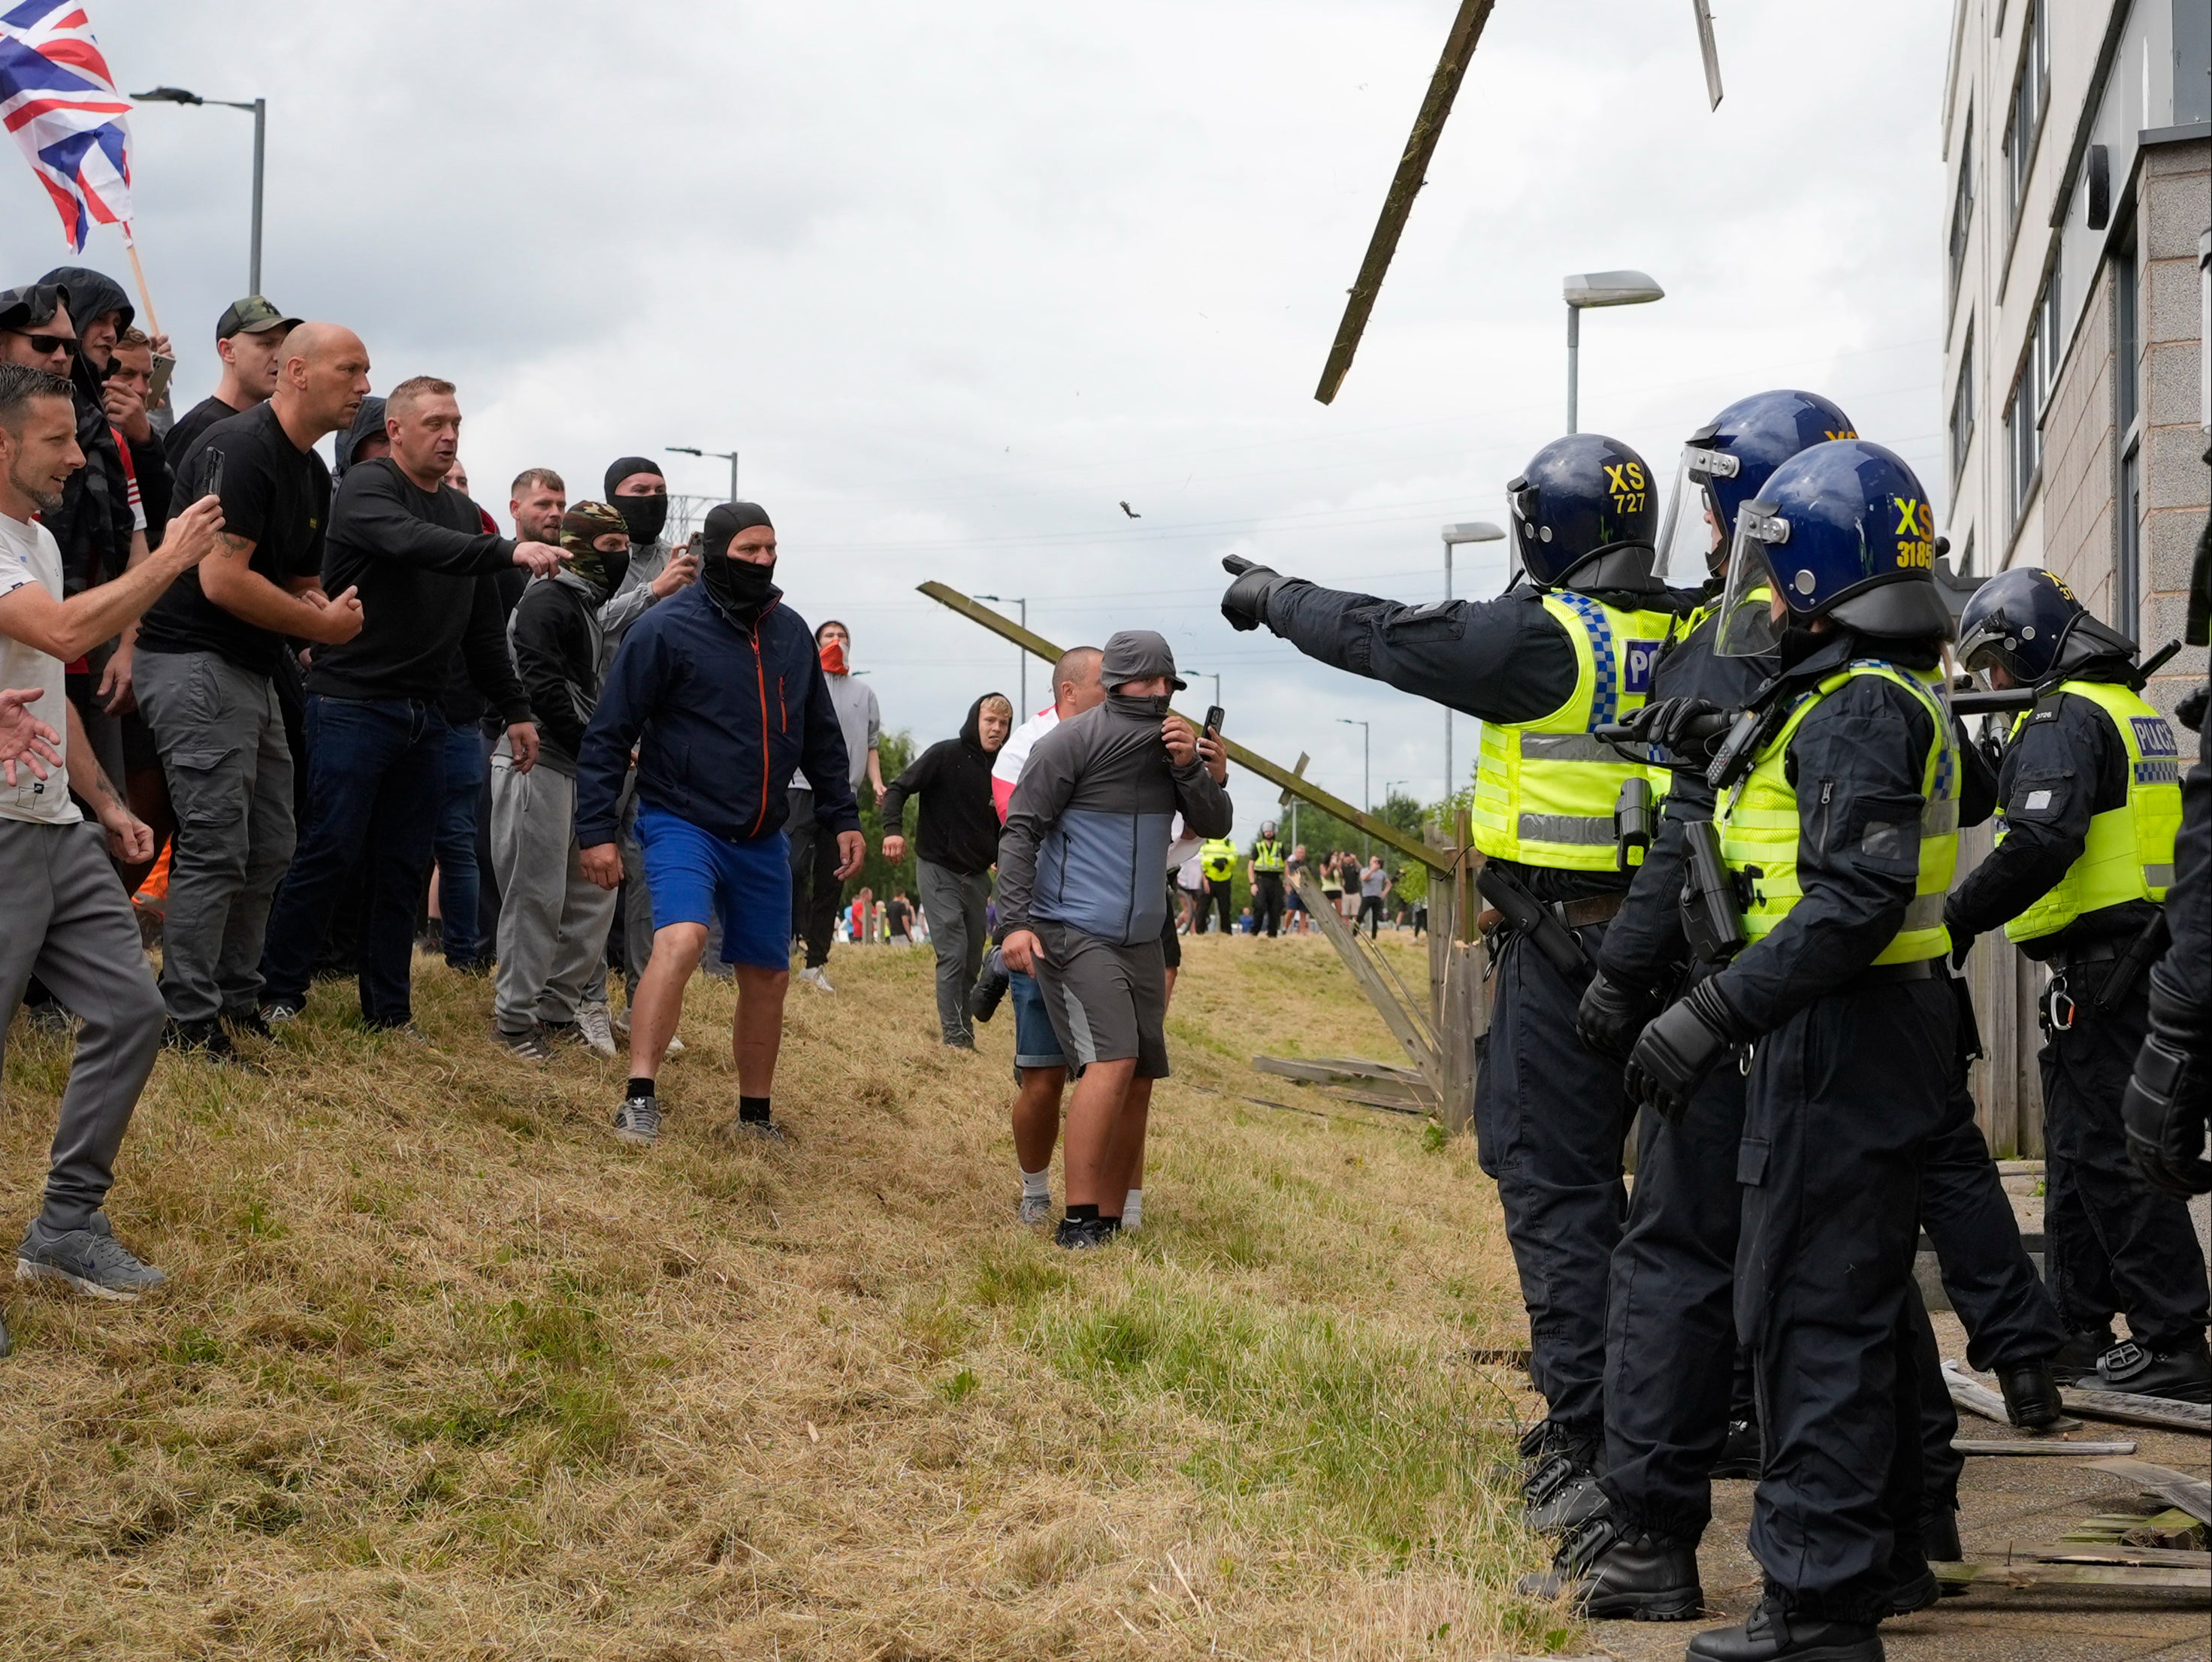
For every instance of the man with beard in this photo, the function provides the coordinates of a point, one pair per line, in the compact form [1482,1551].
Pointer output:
[553,919]
[722,696]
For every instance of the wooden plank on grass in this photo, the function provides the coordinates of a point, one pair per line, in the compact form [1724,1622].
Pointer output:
[2170,1558]
[1408,1027]
[2034,1447]
[2193,1495]
[2127,1408]
[2017,1574]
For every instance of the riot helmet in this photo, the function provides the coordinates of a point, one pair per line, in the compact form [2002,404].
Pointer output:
[1725,463]
[2027,622]
[1582,498]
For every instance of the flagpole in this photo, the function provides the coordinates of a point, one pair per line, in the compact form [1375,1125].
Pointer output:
[130,247]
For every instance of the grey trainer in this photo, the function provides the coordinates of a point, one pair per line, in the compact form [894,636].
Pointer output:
[1037,1209]
[637,1122]
[595,1030]
[90,1259]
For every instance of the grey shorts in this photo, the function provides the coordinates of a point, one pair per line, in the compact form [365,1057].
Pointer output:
[1107,1002]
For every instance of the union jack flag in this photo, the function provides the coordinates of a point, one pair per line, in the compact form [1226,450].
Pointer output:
[59,100]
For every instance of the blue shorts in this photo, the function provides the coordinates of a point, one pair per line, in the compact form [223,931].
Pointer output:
[1036,1045]
[695,876]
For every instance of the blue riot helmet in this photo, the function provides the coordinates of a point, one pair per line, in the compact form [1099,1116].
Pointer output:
[2028,622]
[1842,530]
[1585,509]
[1725,463]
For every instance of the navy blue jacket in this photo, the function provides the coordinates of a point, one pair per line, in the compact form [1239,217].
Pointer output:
[721,715]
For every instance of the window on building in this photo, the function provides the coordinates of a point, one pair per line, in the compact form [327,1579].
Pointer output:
[2127,342]
[2030,97]
[1962,410]
[2127,404]
[2030,395]
[1962,206]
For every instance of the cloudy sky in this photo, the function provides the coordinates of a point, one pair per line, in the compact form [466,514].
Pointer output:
[957,280]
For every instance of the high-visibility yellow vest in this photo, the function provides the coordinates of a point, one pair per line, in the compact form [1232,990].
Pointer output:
[2129,854]
[1266,855]
[1760,822]
[1545,789]
[1216,858]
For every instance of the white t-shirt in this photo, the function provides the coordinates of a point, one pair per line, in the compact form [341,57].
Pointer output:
[28,554]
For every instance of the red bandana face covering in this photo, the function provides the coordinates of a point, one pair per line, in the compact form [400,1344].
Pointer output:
[832,657]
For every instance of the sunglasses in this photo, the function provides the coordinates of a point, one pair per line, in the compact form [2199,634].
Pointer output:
[44,345]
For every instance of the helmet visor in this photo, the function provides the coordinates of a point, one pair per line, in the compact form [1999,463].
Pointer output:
[1987,646]
[1753,612]
[1691,534]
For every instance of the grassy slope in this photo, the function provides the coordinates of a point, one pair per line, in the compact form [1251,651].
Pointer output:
[444,1373]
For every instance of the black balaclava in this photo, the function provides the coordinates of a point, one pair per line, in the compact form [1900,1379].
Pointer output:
[644,515]
[742,589]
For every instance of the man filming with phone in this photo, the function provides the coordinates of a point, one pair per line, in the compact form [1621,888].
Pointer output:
[207,655]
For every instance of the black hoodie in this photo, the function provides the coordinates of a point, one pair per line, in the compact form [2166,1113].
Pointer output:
[952,779]
[93,525]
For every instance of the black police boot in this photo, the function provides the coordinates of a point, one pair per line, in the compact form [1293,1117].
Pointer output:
[2078,1357]
[1743,1453]
[2031,1395]
[1769,1634]
[1558,1484]
[1618,1578]
[2179,1370]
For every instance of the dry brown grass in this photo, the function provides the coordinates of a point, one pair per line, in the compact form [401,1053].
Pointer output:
[444,1373]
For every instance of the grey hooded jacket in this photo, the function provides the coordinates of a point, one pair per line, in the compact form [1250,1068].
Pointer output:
[1086,833]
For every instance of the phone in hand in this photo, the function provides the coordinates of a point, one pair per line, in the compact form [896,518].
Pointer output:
[211,470]
[158,388]
[1213,717]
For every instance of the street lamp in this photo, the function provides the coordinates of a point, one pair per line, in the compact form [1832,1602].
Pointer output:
[1022,601]
[1473,531]
[259,107]
[1207,675]
[729,456]
[1366,774]
[1591,288]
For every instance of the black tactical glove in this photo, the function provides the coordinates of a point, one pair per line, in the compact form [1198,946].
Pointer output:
[1668,725]
[1678,1049]
[1962,937]
[2169,1100]
[1610,1014]
[1245,605]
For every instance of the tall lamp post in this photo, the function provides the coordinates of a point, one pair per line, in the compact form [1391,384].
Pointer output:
[1021,600]
[259,108]
[729,456]
[1366,771]
[1472,530]
[1591,288]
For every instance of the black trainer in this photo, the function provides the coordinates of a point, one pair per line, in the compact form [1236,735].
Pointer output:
[1769,1634]
[2031,1395]
[1743,1453]
[1616,1578]
[990,987]
[205,1039]
[2179,1371]
[246,1019]
[1081,1234]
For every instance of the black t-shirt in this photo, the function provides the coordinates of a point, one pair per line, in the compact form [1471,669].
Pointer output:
[900,915]
[274,493]
[185,430]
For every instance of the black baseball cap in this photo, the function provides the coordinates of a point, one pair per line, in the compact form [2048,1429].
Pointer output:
[250,316]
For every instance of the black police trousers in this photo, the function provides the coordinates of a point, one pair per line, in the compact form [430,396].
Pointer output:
[1267,902]
[1842,1100]
[2113,1242]
[1551,1120]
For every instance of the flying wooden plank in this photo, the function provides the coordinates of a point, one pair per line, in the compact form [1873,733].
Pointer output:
[1405,186]
[1708,50]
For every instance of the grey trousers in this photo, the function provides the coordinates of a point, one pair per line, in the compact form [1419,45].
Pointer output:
[954,905]
[221,732]
[552,918]
[69,923]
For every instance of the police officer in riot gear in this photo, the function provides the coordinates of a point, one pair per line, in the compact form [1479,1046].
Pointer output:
[2168,1102]
[1265,872]
[1671,1326]
[1567,648]
[2092,801]
[1838,822]
[1217,863]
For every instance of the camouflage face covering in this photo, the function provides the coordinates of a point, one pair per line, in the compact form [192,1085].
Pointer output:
[581,526]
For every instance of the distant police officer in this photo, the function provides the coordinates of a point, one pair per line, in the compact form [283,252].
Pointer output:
[2091,796]
[1266,877]
[1217,859]
[2168,1103]
[1569,647]
[1837,820]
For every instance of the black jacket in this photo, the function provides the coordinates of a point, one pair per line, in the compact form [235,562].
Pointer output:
[959,827]
[1503,660]
[2180,974]
[93,526]
[423,565]
[1856,761]
[555,634]
[2068,760]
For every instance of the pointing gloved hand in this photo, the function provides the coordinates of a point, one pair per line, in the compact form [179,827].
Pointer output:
[1678,1049]
[2168,1099]
[1245,605]
[1610,1014]
[1668,723]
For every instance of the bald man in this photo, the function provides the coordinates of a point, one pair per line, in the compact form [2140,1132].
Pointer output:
[208,654]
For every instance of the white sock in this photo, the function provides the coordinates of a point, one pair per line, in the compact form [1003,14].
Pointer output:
[1133,1210]
[1037,1185]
